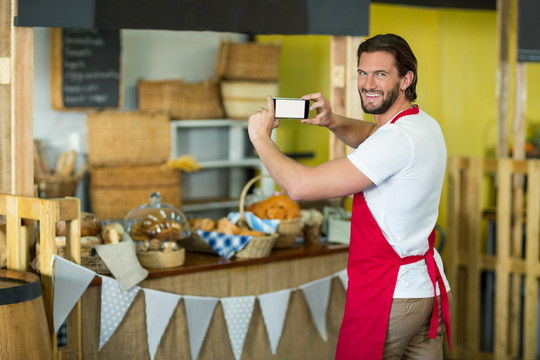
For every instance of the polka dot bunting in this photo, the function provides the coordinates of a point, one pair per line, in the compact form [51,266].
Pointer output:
[114,305]
[238,311]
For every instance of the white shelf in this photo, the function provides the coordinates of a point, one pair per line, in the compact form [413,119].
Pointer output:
[211,205]
[215,164]
[208,123]
[225,154]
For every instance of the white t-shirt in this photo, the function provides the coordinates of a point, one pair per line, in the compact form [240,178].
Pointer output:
[406,161]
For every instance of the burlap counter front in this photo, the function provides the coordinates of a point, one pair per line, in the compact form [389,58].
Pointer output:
[300,338]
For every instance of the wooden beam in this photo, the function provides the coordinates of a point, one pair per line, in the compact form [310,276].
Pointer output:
[344,96]
[16,104]
[504,21]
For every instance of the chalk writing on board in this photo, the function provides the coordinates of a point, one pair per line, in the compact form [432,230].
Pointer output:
[90,68]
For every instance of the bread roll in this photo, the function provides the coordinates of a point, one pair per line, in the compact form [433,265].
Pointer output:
[90,241]
[90,225]
[275,207]
[112,233]
[225,226]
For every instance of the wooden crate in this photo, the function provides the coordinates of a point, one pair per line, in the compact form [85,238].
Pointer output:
[114,191]
[503,193]
[128,138]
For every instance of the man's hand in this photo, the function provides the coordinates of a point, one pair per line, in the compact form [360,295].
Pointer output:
[262,122]
[324,110]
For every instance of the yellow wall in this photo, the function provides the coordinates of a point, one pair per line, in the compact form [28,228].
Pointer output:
[457,56]
[304,69]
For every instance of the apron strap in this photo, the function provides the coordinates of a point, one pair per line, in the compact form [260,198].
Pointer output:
[436,278]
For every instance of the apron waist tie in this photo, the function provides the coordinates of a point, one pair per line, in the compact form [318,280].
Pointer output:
[435,276]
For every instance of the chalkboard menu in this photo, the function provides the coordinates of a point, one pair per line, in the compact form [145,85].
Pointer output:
[85,69]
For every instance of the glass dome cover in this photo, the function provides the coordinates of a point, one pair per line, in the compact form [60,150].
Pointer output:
[156,220]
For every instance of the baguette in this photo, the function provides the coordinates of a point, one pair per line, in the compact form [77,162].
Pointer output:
[65,164]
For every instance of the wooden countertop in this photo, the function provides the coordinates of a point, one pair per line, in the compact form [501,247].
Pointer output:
[199,262]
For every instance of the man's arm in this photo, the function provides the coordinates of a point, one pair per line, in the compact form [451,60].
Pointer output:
[331,179]
[350,131]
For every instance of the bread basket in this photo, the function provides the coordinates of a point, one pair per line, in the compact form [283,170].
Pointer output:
[160,259]
[257,247]
[287,231]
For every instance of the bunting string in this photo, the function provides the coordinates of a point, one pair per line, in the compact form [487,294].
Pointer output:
[72,280]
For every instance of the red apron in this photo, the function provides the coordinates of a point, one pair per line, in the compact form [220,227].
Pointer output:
[372,269]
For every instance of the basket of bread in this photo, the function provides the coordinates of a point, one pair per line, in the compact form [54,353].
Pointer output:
[280,209]
[226,239]
[158,230]
[92,233]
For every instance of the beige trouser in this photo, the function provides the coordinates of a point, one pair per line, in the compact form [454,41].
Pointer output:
[408,329]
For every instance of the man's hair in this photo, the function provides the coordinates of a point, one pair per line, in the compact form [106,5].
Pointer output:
[404,58]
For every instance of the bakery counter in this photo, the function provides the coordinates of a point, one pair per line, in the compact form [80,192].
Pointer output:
[211,276]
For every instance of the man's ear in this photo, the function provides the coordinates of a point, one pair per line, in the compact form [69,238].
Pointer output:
[406,81]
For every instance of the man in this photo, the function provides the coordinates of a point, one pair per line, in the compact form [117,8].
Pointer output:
[396,175]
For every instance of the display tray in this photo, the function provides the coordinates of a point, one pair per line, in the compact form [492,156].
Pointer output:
[199,262]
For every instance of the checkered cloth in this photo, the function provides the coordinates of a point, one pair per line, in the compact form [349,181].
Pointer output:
[224,244]
[267,226]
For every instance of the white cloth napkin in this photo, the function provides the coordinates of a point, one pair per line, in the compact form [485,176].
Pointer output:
[121,259]
[267,226]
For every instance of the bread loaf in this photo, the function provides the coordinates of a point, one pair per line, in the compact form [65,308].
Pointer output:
[280,207]
[90,225]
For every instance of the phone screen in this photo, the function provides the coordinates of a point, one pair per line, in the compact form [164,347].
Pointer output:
[285,108]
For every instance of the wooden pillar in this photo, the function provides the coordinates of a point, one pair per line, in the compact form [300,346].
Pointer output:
[344,96]
[504,17]
[16,104]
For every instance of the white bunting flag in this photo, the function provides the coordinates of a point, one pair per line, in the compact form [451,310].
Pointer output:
[317,293]
[70,282]
[238,311]
[199,312]
[114,305]
[160,307]
[344,278]
[274,308]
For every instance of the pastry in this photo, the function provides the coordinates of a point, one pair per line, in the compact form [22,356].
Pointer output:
[225,226]
[90,241]
[90,225]
[156,226]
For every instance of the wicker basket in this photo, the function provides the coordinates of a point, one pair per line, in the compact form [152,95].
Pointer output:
[258,247]
[89,259]
[181,100]
[116,191]
[160,259]
[128,138]
[55,186]
[243,98]
[248,61]
[288,230]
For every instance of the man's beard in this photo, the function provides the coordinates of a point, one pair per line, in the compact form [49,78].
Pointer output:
[388,100]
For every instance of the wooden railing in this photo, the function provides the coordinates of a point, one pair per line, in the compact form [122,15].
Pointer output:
[47,212]
[504,194]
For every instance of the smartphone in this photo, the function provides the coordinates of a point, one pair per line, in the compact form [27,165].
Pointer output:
[291,108]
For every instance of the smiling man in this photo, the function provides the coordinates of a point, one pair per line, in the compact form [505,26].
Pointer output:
[396,173]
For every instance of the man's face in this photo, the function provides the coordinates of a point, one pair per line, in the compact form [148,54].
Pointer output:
[378,82]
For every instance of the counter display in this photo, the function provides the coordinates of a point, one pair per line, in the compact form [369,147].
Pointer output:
[211,276]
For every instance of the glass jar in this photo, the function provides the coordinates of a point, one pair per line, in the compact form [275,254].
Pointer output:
[156,220]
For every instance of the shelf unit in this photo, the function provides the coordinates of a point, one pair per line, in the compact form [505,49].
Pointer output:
[227,159]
